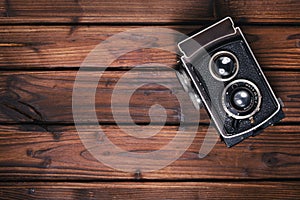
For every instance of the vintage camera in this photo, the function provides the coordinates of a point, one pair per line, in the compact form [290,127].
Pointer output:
[219,70]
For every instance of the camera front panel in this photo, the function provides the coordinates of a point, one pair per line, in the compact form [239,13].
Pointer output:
[233,84]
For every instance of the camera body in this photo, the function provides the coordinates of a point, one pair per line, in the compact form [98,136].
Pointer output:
[219,70]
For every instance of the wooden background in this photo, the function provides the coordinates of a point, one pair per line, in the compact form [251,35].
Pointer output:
[43,43]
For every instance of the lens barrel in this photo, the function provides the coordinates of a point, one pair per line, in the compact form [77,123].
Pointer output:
[241,99]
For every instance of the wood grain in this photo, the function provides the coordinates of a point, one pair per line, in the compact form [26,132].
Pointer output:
[47,96]
[43,47]
[258,11]
[69,11]
[38,152]
[151,190]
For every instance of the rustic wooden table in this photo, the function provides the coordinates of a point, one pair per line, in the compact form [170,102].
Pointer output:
[43,43]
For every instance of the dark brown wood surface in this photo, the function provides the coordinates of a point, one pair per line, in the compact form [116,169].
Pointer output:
[168,11]
[46,96]
[152,190]
[42,46]
[34,47]
[39,152]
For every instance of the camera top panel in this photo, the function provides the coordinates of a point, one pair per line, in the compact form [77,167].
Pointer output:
[222,29]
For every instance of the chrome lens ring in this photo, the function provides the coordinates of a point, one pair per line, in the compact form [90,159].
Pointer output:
[223,66]
[235,99]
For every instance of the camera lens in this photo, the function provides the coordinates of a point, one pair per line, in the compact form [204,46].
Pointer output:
[241,99]
[223,66]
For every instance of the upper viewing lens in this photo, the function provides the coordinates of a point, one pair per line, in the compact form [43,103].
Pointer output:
[223,66]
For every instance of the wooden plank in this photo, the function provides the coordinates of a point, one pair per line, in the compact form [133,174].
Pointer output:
[69,11]
[32,47]
[257,11]
[47,96]
[37,152]
[152,190]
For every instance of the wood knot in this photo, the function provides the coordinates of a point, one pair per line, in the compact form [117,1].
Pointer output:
[147,93]
[270,159]
[245,172]
[47,162]
[56,136]
[29,152]
[250,147]
[295,37]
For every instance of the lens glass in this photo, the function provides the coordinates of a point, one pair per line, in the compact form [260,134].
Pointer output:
[224,65]
[241,99]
